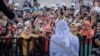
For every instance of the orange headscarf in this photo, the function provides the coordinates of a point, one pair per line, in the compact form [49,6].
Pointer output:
[88,33]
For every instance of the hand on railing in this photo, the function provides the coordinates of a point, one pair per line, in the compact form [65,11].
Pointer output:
[34,35]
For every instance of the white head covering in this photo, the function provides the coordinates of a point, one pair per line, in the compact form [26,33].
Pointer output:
[17,4]
[60,37]
[20,25]
[61,27]
[63,36]
[97,9]
[27,23]
[61,31]
[72,4]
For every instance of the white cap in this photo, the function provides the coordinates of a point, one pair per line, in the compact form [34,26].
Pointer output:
[27,23]
[16,4]
[41,29]
[72,4]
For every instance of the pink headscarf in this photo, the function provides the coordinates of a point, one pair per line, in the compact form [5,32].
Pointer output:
[47,28]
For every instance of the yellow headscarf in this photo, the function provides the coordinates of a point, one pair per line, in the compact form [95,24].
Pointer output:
[73,25]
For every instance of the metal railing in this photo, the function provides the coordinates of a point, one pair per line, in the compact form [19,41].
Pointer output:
[14,47]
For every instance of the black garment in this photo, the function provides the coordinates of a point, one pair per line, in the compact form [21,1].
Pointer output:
[6,10]
[34,17]
[95,37]
[96,51]
[27,19]
[0,47]
[38,47]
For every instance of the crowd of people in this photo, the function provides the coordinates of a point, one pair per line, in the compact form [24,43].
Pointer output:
[59,30]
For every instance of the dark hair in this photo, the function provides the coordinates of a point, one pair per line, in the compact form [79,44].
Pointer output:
[65,8]
[61,13]
[67,16]
[35,0]
[81,17]
[8,23]
[4,34]
[28,12]
[99,38]
[1,17]
[19,11]
[61,9]
[98,20]
[48,9]
[89,18]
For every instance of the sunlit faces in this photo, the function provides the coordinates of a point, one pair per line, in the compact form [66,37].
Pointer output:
[27,30]
[73,27]
[28,15]
[20,20]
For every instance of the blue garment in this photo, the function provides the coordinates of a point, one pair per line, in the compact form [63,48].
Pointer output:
[74,42]
[64,37]
[27,9]
[35,9]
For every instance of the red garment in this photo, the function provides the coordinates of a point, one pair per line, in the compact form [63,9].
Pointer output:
[89,33]
[46,45]
[43,18]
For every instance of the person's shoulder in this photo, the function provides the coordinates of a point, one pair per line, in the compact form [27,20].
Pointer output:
[75,38]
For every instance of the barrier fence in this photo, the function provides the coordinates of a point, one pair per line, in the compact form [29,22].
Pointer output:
[14,47]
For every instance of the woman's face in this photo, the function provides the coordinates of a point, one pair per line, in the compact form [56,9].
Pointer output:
[85,27]
[79,28]
[19,30]
[96,3]
[9,27]
[27,31]
[3,30]
[73,28]
[21,20]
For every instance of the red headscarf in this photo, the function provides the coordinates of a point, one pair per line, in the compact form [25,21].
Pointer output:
[46,29]
[88,33]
